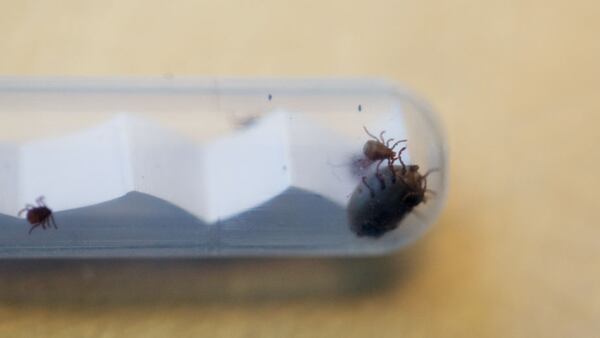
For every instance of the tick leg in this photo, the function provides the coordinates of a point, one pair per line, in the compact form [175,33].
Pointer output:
[387,143]
[364,180]
[373,136]
[381,136]
[27,208]
[33,227]
[53,222]
[399,157]
[425,177]
[395,144]
[379,176]
[392,170]
[40,201]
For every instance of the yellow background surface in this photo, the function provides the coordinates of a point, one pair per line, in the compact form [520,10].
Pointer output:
[516,252]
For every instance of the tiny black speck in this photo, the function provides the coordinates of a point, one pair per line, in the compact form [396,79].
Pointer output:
[270,97]
[359,107]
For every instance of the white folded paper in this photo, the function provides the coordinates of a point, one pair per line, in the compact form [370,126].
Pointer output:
[213,180]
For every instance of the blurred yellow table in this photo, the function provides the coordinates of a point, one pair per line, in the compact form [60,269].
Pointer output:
[516,251]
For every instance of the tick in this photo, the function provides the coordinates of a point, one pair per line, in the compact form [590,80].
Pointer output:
[379,149]
[391,195]
[39,215]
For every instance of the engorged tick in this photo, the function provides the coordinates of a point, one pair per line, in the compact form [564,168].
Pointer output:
[270,97]
[39,215]
[391,195]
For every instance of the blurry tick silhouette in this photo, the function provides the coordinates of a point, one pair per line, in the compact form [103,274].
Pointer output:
[39,215]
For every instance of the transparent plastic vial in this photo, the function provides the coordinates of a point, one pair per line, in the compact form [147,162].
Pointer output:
[215,167]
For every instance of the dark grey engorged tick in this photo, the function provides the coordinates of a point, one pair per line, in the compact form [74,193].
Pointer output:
[39,215]
[270,97]
[382,200]
[360,107]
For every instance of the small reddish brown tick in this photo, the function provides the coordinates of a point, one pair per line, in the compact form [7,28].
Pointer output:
[379,149]
[39,215]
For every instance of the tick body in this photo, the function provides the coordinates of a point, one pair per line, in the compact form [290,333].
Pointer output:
[380,203]
[379,149]
[39,215]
